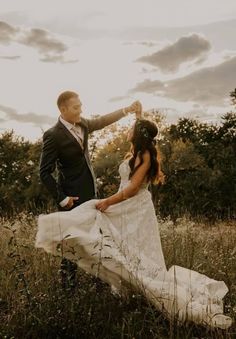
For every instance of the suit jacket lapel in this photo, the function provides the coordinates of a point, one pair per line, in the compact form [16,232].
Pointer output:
[69,135]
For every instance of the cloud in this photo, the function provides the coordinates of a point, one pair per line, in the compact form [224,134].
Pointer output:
[147,70]
[148,86]
[118,98]
[185,49]
[7,32]
[52,49]
[43,41]
[220,33]
[37,120]
[200,60]
[209,85]
[58,58]
[10,57]
[141,43]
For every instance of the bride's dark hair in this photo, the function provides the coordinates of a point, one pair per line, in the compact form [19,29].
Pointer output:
[143,139]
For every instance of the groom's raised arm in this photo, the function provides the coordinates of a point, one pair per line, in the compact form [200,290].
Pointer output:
[47,166]
[110,118]
[105,120]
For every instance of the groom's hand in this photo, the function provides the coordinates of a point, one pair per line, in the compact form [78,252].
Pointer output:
[70,203]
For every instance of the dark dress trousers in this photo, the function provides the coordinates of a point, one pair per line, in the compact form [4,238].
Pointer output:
[61,151]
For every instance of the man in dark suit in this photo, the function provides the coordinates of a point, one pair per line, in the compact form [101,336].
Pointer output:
[65,147]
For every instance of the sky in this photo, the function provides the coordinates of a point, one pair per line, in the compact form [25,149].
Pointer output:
[175,56]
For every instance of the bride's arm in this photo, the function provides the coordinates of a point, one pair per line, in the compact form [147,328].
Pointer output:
[132,189]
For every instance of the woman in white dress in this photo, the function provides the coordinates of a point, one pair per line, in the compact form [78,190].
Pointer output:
[117,239]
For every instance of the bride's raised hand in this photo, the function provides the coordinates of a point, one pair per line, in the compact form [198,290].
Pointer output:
[135,107]
[138,111]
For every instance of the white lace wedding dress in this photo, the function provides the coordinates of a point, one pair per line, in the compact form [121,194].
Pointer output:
[123,245]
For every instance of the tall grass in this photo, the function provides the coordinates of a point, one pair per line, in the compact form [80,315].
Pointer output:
[34,305]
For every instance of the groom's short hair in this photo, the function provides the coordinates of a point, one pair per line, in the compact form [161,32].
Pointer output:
[64,96]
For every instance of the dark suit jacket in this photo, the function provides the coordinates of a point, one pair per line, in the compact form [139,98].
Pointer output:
[75,176]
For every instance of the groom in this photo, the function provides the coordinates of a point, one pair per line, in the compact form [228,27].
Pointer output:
[65,148]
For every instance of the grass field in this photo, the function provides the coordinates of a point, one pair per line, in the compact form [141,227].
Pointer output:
[33,304]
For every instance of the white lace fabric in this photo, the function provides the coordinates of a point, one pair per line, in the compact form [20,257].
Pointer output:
[123,245]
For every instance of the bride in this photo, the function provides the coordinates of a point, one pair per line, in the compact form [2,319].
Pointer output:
[117,239]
